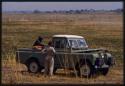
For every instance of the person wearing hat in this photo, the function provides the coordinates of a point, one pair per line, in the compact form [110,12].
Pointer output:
[37,44]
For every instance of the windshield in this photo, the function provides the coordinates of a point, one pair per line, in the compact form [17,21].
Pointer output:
[77,43]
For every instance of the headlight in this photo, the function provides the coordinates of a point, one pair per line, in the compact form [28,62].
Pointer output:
[99,61]
[102,55]
[95,55]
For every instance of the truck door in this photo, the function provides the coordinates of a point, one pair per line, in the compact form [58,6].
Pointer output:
[60,45]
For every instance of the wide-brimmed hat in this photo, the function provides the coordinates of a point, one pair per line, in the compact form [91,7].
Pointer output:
[40,38]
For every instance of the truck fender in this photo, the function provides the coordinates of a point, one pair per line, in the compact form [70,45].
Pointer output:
[32,58]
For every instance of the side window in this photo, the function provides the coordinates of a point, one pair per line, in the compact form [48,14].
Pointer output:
[73,43]
[60,43]
[57,43]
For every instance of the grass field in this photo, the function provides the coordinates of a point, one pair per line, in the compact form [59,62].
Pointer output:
[101,30]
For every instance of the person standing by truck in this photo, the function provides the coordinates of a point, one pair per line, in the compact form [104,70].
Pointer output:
[49,59]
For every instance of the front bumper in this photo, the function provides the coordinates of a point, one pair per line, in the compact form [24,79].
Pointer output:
[104,63]
[101,67]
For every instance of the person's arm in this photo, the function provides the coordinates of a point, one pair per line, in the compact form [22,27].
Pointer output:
[53,50]
[44,50]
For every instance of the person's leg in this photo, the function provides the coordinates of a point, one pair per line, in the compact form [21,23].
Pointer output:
[46,68]
[51,67]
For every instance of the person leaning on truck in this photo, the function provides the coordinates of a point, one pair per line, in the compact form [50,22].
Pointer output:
[37,44]
[49,59]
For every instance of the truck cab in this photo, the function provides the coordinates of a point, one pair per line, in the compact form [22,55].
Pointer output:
[69,43]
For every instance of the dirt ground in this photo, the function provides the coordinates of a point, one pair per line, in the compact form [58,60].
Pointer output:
[18,74]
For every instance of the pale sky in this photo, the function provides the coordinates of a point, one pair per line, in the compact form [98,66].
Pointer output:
[50,6]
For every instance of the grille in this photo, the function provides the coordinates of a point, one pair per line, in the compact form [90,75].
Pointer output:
[99,61]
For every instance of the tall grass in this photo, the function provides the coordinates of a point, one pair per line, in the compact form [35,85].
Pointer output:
[15,73]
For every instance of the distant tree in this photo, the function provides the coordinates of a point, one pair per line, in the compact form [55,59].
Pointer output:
[70,11]
[92,10]
[67,12]
[82,10]
[77,11]
[47,11]
[86,10]
[36,11]
[118,10]
[54,11]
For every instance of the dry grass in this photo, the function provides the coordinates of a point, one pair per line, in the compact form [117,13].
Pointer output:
[100,30]
[15,73]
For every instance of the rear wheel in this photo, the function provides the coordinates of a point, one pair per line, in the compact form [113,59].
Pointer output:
[33,66]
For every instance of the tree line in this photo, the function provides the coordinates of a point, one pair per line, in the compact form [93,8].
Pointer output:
[77,11]
[71,11]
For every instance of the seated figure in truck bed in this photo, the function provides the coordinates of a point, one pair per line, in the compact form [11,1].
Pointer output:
[38,43]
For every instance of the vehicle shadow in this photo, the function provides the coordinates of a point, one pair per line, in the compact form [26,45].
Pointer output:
[58,74]
[74,75]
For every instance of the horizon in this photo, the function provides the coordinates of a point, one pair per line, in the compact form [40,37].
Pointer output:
[63,10]
[60,6]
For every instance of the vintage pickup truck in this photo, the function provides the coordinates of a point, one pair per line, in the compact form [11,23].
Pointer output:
[72,52]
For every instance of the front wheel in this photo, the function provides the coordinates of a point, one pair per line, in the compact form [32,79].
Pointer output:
[85,70]
[105,71]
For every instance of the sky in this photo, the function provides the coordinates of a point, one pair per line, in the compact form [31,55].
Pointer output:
[50,6]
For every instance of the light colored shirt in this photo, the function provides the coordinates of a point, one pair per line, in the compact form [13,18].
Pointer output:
[50,51]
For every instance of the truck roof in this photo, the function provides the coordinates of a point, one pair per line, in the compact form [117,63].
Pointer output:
[68,36]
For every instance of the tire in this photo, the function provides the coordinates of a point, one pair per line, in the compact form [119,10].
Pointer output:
[86,70]
[54,71]
[105,71]
[33,66]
